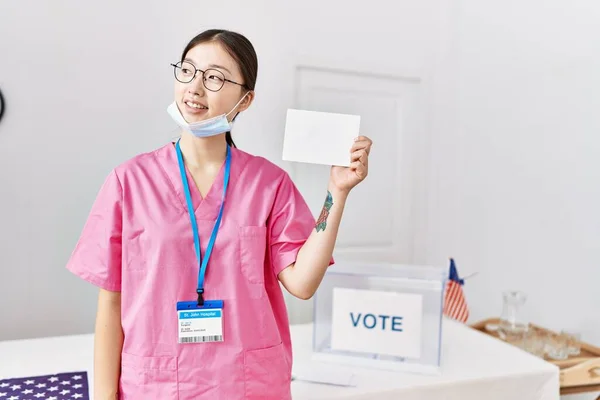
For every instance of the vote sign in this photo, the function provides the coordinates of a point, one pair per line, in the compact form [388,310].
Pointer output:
[377,322]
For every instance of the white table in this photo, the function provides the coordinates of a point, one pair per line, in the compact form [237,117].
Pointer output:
[474,366]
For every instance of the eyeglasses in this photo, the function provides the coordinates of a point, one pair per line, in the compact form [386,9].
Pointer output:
[212,79]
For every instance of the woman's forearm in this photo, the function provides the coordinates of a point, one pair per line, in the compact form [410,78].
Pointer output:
[303,278]
[108,342]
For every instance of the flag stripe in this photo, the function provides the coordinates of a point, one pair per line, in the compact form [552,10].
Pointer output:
[455,305]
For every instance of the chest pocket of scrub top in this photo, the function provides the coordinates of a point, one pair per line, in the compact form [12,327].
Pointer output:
[253,242]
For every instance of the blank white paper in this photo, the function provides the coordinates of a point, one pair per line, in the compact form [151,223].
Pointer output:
[319,138]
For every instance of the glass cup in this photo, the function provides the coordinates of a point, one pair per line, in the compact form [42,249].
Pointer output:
[534,342]
[557,346]
[513,327]
[573,342]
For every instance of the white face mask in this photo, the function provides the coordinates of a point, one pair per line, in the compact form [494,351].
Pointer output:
[205,128]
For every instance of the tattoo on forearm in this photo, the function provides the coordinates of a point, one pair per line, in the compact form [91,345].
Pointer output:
[322,221]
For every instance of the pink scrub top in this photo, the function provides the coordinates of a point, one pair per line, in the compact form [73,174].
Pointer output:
[138,240]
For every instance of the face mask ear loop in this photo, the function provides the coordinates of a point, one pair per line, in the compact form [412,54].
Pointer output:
[238,103]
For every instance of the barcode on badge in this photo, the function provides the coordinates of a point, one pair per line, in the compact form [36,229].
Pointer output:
[201,339]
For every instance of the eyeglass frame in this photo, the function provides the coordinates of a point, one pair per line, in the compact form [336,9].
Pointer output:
[175,66]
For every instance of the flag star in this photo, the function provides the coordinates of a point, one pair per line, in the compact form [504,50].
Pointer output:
[77,377]
[40,385]
[4,384]
[2,394]
[77,396]
[13,398]
[29,382]
[65,392]
[40,395]
[53,379]
[53,398]
[53,389]
[27,391]
[77,386]
[15,387]
[65,383]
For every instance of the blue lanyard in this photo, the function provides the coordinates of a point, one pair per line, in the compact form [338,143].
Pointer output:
[202,262]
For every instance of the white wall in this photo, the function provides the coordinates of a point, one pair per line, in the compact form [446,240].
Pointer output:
[515,194]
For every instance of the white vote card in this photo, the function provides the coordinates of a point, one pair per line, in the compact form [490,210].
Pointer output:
[319,138]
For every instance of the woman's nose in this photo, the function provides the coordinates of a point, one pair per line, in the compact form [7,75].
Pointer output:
[196,86]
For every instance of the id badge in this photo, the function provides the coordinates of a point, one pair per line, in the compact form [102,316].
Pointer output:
[200,324]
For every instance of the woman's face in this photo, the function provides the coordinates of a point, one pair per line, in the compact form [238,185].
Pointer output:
[195,101]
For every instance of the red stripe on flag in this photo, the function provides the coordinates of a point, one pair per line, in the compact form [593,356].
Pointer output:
[455,304]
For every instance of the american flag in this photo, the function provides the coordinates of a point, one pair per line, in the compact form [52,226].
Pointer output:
[67,386]
[455,305]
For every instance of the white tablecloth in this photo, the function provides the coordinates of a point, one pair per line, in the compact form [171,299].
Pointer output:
[474,367]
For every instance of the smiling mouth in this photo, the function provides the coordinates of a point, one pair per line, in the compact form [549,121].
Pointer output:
[196,106]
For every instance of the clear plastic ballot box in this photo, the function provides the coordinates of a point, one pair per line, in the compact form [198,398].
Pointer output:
[384,316]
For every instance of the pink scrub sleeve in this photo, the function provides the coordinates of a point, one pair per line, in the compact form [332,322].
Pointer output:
[97,255]
[290,224]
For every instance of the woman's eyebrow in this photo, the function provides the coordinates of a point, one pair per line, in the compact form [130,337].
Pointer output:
[209,66]
[190,61]
[219,66]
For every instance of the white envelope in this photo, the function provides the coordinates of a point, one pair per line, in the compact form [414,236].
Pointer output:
[319,138]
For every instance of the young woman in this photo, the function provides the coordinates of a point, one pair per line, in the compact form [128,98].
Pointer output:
[188,245]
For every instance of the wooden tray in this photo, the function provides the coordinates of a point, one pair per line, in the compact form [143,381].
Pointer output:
[578,374]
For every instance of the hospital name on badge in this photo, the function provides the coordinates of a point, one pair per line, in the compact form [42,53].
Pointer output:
[199,324]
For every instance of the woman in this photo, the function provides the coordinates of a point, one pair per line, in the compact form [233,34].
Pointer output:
[188,245]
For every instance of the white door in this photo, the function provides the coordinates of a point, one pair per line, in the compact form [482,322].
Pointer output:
[378,220]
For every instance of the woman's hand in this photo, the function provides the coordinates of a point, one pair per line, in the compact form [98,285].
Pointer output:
[345,178]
